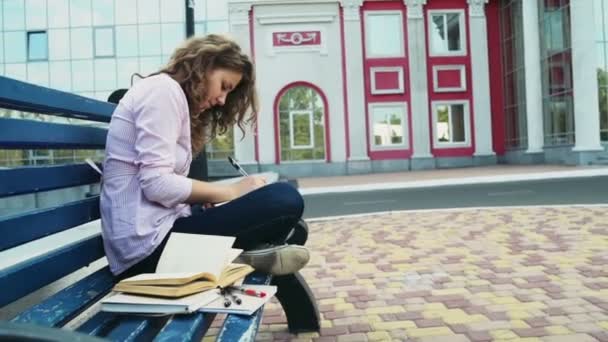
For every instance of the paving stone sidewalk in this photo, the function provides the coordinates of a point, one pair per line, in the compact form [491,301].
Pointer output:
[505,274]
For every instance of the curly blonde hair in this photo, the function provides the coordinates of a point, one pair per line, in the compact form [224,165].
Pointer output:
[189,66]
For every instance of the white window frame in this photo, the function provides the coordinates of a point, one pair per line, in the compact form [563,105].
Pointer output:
[401,86]
[310,125]
[462,30]
[467,123]
[368,38]
[404,124]
[463,78]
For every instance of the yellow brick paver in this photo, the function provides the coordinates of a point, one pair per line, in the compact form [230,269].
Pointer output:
[501,274]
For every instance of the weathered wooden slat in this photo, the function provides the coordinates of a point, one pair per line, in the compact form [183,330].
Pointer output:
[135,328]
[99,324]
[69,302]
[29,332]
[26,180]
[33,98]
[44,135]
[185,328]
[241,327]
[25,277]
[30,226]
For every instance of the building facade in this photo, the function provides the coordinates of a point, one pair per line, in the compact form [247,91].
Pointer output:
[354,86]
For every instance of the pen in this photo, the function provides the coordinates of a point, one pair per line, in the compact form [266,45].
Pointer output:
[237,166]
[249,292]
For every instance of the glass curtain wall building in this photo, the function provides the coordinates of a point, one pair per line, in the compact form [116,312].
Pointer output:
[93,47]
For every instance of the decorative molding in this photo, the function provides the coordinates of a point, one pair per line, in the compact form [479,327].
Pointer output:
[239,13]
[437,69]
[376,90]
[296,18]
[477,8]
[296,38]
[299,39]
[415,8]
[351,9]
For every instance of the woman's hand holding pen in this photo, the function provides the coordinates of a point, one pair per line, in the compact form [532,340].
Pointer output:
[248,184]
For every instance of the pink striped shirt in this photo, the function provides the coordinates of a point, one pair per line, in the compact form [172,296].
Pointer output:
[148,155]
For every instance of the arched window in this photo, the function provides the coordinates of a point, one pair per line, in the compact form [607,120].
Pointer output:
[302,124]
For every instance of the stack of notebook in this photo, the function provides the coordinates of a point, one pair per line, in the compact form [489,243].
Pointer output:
[190,274]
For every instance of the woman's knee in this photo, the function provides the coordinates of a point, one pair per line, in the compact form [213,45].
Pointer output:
[288,198]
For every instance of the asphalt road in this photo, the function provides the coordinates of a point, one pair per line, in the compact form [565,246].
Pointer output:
[586,190]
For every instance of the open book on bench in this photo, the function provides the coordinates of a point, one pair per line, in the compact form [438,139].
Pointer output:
[190,263]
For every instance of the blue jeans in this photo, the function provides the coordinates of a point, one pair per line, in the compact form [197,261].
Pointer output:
[265,215]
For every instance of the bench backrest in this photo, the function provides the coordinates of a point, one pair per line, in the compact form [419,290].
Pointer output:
[26,276]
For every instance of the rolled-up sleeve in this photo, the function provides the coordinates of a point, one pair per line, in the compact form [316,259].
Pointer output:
[158,121]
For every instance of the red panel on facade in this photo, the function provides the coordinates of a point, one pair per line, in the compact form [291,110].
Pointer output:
[496,77]
[449,78]
[432,61]
[386,80]
[296,38]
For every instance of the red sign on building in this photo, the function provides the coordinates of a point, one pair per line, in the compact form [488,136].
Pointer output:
[296,38]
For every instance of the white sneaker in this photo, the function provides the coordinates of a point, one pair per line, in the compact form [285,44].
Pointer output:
[276,260]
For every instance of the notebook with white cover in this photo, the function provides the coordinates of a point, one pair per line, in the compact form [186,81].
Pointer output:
[125,303]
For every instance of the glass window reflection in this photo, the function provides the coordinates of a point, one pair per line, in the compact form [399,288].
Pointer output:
[38,73]
[37,46]
[80,13]
[126,12]
[126,41]
[57,13]
[81,44]
[172,36]
[105,74]
[173,11]
[16,42]
[148,11]
[125,67]
[149,43]
[446,33]
[35,14]
[16,71]
[217,26]
[82,75]
[60,75]
[380,44]
[59,44]
[103,12]
[14,15]
[104,41]
[217,9]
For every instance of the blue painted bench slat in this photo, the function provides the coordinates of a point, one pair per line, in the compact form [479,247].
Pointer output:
[135,328]
[69,302]
[32,98]
[26,180]
[244,328]
[39,223]
[98,325]
[185,328]
[49,135]
[35,273]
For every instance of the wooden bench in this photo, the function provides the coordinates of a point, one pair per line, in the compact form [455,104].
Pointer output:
[22,232]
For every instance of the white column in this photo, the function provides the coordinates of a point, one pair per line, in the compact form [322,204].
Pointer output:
[353,51]
[244,150]
[421,141]
[533,84]
[481,78]
[584,77]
